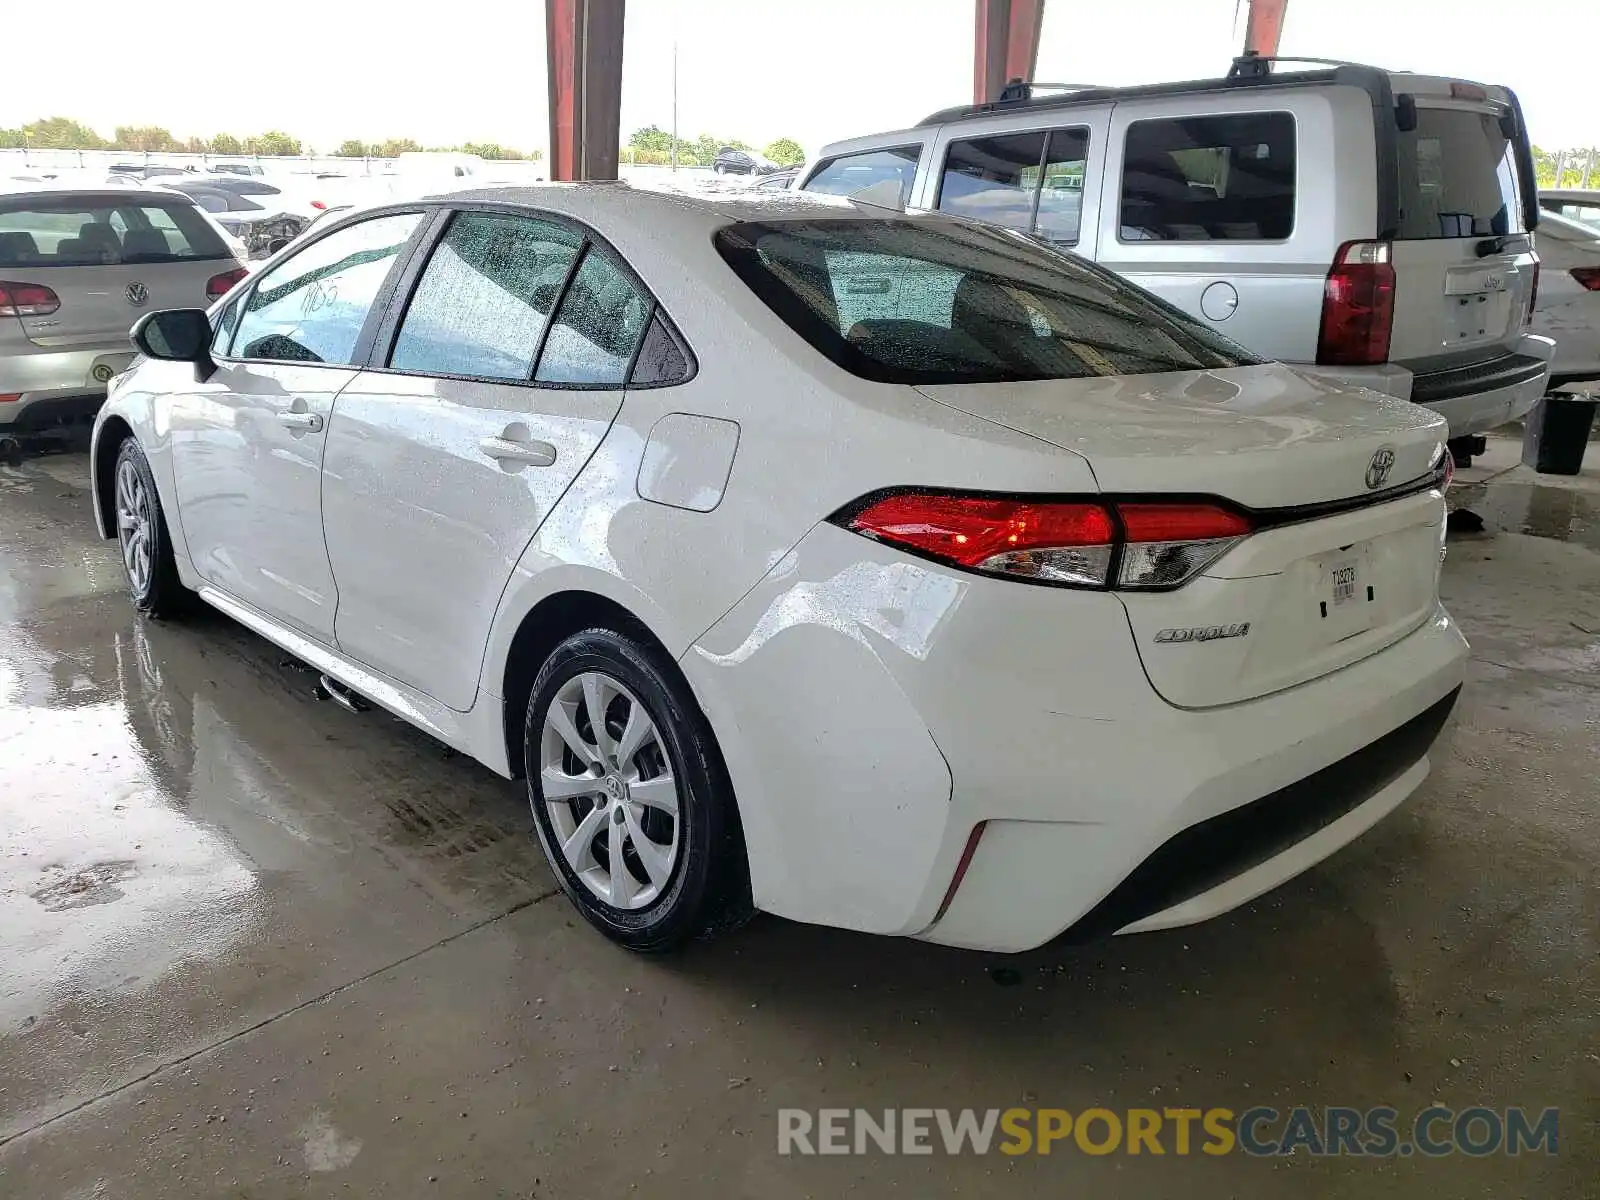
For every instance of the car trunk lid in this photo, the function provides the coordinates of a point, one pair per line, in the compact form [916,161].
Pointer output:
[99,304]
[1345,557]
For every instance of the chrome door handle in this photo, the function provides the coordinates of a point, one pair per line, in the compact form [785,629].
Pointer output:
[538,454]
[312,422]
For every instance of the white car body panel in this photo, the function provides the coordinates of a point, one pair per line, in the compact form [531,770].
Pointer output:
[872,708]
[1566,311]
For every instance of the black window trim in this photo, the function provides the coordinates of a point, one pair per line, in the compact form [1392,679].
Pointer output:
[920,147]
[1049,132]
[362,350]
[407,281]
[1122,171]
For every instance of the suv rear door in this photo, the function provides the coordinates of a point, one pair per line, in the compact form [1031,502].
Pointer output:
[1464,275]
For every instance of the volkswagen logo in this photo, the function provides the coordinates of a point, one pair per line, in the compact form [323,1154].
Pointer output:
[137,293]
[1380,466]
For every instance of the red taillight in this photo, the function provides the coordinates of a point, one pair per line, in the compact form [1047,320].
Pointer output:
[1357,307]
[1154,544]
[10,397]
[219,286]
[27,300]
[1588,278]
[319,206]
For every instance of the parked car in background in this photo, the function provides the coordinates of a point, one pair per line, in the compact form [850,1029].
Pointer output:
[1568,308]
[1068,523]
[236,168]
[1577,204]
[1368,225]
[264,216]
[77,268]
[742,162]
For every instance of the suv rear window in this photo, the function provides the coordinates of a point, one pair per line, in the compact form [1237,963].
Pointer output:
[1457,177]
[66,232]
[1221,178]
[851,173]
[929,300]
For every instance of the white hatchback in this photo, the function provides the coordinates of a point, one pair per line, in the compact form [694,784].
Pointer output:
[894,573]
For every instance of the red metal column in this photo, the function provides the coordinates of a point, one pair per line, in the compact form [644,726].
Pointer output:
[1005,44]
[584,49]
[1264,26]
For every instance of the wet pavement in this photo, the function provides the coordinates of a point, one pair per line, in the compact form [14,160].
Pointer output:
[254,945]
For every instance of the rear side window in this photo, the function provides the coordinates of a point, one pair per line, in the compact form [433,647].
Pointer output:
[311,307]
[481,305]
[1032,182]
[597,327]
[1219,178]
[851,173]
[1457,177]
[934,301]
[72,233]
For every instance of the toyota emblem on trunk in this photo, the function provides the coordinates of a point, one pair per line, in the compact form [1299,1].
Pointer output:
[1380,466]
[137,293]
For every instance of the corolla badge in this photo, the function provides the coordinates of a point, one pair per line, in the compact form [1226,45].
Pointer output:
[1204,633]
[137,293]
[1380,466]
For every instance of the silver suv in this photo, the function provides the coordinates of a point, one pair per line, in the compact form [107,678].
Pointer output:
[77,268]
[1370,226]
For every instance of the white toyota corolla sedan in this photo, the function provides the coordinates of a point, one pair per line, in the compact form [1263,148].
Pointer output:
[877,570]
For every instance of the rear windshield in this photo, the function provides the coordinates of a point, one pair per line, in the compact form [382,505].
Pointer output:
[1458,178]
[936,301]
[76,233]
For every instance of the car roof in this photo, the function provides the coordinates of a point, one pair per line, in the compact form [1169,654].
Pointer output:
[92,195]
[611,205]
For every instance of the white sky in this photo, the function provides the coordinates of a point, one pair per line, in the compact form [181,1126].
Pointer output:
[814,70]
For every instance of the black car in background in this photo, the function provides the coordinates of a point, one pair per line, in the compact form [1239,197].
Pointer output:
[742,162]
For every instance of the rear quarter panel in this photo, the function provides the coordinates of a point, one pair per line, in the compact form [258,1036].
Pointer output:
[1279,283]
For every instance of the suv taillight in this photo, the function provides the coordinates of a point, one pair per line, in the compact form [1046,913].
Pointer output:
[1357,307]
[219,286]
[1588,278]
[27,300]
[1083,543]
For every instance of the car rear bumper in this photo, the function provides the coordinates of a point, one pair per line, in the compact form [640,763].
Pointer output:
[58,387]
[895,719]
[1483,396]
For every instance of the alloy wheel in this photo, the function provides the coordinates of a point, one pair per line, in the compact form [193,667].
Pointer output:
[135,522]
[609,791]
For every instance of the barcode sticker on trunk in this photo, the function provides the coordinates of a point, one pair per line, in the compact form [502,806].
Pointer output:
[1343,577]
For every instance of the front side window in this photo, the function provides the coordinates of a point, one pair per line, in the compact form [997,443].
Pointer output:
[483,301]
[923,300]
[849,174]
[1219,178]
[1458,178]
[72,233]
[311,307]
[597,327]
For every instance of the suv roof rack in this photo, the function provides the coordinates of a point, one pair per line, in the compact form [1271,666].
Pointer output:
[1248,70]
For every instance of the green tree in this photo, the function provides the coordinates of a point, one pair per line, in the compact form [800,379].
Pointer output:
[195,145]
[351,148]
[272,143]
[143,137]
[786,152]
[61,133]
[226,143]
[395,147]
[12,139]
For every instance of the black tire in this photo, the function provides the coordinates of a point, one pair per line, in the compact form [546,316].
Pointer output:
[718,169]
[162,593]
[708,890]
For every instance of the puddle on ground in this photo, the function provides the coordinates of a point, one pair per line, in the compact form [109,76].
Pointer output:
[1547,512]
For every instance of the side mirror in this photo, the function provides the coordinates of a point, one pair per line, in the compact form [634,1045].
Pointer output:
[177,335]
